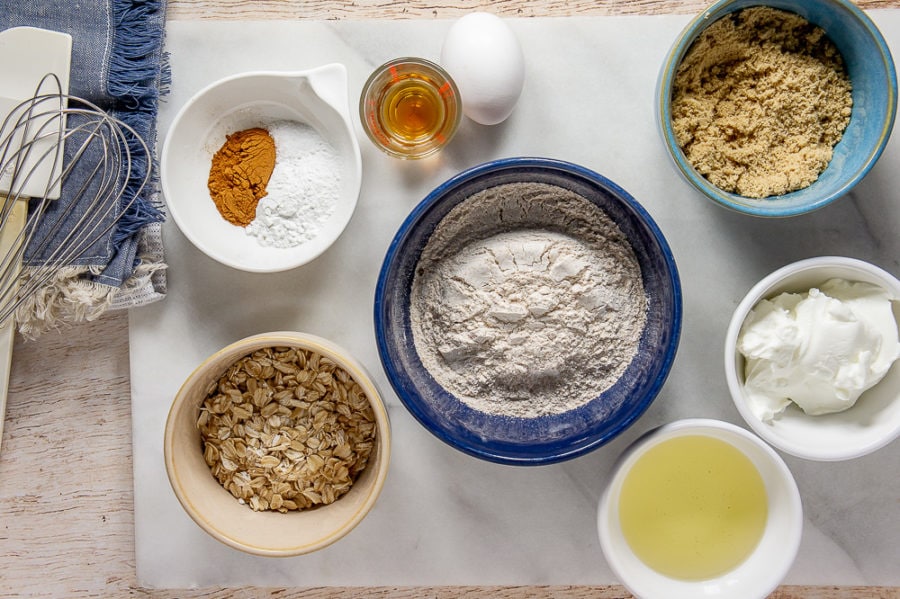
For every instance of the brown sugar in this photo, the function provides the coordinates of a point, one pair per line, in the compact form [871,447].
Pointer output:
[759,102]
[240,172]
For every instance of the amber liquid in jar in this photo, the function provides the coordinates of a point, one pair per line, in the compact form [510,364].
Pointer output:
[412,109]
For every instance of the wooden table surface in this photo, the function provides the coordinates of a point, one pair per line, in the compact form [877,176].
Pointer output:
[66,511]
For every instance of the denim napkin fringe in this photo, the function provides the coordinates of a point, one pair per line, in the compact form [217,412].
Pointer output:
[127,269]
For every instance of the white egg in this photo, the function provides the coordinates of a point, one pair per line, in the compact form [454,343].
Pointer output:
[484,58]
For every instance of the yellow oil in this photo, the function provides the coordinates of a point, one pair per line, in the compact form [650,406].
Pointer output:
[412,109]
[693,507]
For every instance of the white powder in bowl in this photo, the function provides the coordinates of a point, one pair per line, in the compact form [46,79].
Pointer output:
[527,301]
[303,190]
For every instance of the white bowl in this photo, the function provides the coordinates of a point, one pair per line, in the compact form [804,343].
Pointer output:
[870,424]
[318,98]
[756,576]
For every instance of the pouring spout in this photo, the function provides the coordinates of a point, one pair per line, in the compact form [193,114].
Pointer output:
[329,82]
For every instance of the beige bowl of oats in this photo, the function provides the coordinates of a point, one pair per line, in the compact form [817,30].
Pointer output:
[278,444]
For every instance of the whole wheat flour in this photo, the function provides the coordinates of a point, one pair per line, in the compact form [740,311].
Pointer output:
[527,301]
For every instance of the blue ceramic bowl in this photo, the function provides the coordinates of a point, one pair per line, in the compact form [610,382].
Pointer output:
[872,75]
[544,439]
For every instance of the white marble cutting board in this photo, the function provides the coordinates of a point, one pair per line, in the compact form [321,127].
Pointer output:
[444,517]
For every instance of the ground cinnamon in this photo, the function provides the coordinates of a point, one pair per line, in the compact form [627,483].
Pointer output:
[240,172]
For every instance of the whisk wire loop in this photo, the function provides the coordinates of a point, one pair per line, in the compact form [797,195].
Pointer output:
[90,156]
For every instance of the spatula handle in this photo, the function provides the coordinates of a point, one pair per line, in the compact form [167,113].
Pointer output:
[9,233]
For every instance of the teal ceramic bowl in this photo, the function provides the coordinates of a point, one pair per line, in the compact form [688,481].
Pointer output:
[872,75]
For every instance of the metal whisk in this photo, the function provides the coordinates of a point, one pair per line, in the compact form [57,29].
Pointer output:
[53,142]
[66,169]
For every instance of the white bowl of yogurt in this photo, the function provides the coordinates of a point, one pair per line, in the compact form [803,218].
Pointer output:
[811,358]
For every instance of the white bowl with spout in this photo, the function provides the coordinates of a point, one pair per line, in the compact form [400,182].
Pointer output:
[317,98]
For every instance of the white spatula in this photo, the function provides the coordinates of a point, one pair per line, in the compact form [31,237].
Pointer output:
[27,56]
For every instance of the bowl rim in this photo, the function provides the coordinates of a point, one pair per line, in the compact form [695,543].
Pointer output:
[789,539]
[734,201]
[552,453]
[345,360]
[734,381]
[320,77]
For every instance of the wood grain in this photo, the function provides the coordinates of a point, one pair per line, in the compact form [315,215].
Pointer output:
[66,518]
[419,9]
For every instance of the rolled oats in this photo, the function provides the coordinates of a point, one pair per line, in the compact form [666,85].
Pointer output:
[286,429]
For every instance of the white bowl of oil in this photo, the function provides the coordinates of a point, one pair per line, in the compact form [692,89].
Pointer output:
[700,508]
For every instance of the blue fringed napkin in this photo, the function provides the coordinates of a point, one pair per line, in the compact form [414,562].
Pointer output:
[118,64]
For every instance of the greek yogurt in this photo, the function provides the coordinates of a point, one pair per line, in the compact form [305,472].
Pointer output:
[820,350]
